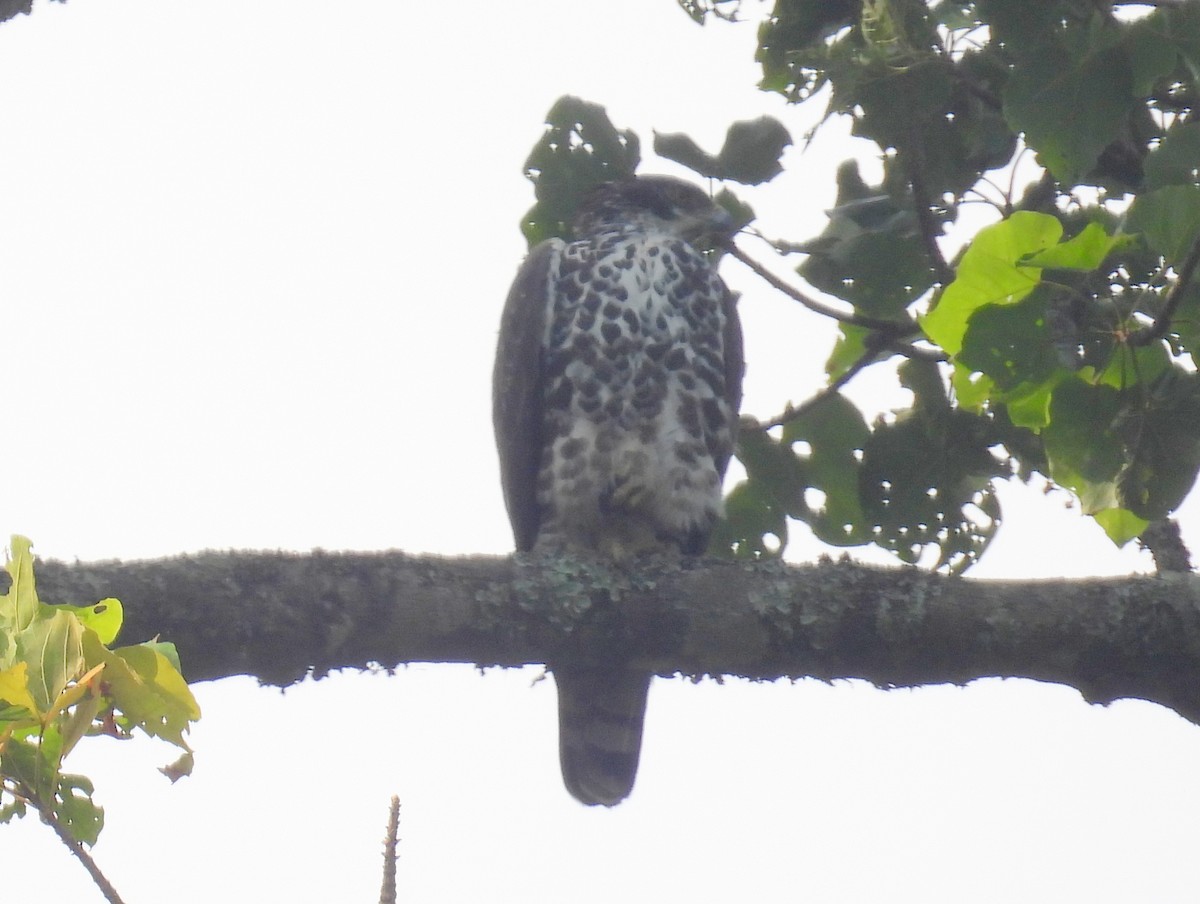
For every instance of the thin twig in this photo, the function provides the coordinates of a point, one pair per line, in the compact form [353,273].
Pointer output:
[76,848]
[890,327]
[1162,323]
[387,894]
[929,227]
[908,350]
[807,405]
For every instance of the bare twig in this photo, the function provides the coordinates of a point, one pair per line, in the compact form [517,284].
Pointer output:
[1162,323]
[908,350]
[837,383]
[928,225]
[387,894]
[81,854]
[890,327]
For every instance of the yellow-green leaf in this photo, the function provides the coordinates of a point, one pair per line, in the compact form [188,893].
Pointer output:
[147,688]
[1120,524]
[20,605]
[990,273]
[14,688]
[76,723]
[104,617]
[1085,251]
[52,646]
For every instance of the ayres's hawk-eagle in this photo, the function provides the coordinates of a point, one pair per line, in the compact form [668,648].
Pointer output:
[616,391]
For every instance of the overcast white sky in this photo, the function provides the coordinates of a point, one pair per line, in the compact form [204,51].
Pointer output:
[254,258]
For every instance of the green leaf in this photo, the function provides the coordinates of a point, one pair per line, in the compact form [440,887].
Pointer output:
[752,150]
[20,605]
[10,811]
[927,477]
[1176,161]
[146,687]
[1169,218]
[62,677]
[1152,55]
[1130,366]
[792,27]
[989,273]
[683,149]
[920,490]
[925,112]
[1070,106]
[751,516]
[76,812]
[1083,452]
[972,389]
[774,468]
[1161,432]
[1185,326]
[1086,251]
[1130,457]
[167,650]
[880,273]
[741,212]
[180,768]
[579,150]
[750,154]
[1011,344]
[104,617]
[809,473]
[76,722]
[870,253]
[1120,525]
[849,348]
[27,763]
[1031,409]
[834,433]
[52,646]
[1176,29]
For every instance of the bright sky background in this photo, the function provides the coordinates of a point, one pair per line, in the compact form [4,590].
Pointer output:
[254,258]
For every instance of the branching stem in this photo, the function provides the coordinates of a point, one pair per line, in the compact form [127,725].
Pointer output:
[930,230]
[841,380]
[890,327]
[81,854]
[1186,272]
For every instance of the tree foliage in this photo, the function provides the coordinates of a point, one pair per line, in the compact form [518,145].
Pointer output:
[59,682]
[1059,341]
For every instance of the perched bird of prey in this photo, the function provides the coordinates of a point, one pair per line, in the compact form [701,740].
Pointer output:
[616,391]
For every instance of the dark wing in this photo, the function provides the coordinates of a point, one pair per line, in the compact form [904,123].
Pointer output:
[517,392]
[735,369]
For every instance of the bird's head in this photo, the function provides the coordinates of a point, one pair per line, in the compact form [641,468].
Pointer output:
[654,203]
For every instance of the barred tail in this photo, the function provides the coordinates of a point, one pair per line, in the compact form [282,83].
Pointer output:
[600,716]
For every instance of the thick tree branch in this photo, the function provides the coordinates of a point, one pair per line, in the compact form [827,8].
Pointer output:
[277,615]
[1165,542]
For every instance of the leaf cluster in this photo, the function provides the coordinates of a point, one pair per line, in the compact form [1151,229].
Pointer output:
[59,682]
[1060,340]
[579,150]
